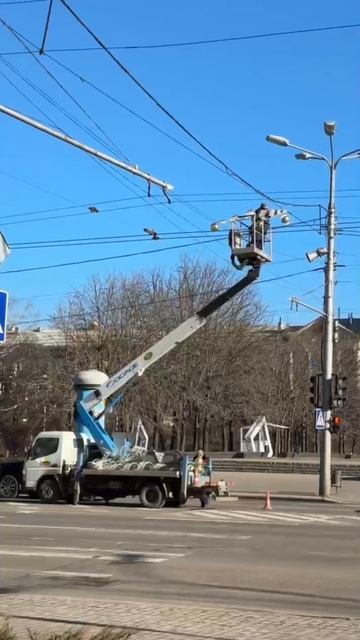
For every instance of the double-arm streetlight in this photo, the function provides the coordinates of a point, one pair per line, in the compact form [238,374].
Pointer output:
[329,252]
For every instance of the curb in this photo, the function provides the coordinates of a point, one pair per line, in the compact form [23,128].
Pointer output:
[288,497]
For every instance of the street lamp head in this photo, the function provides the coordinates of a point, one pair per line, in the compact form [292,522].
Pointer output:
[282,142]
[303,156]
[329,127]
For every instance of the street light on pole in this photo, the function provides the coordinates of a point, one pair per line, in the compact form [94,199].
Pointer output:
[329,252]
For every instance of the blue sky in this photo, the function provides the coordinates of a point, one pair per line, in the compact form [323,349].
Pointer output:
[230,95]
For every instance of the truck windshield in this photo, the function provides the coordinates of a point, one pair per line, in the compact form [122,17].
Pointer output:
[44,447]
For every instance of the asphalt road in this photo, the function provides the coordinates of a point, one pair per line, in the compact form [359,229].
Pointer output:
[299,557]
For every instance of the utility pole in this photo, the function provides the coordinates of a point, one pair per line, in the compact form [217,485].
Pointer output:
[327,347]
[328,337]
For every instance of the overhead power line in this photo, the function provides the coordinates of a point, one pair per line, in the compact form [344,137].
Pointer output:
[130,167]
[193,43]
[134,236]
[25,43]
[125,70]
[83,79]
[124,180]
[42,48]
[166,300]
[55,244]
[154,196]
[21,2]
[124,255]
[293,227]
[107,95]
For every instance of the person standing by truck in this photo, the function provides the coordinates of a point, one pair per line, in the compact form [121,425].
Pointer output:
[201,461]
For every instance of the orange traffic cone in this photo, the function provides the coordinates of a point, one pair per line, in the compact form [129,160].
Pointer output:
[267,505]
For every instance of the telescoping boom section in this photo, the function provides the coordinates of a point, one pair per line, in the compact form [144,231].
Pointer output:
[119,382]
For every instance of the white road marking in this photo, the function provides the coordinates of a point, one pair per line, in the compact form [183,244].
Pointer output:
[78,556]
[111,551]
[69,574]
[242,517]
[223,521]
[27,510]
[230,516]
[290,516]
[152,532]
[73,574]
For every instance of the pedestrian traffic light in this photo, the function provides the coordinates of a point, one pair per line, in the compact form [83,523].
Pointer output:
[336,423]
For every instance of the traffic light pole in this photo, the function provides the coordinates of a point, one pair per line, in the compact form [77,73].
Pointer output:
[328,335]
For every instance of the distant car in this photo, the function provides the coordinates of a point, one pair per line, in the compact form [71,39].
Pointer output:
[10,478]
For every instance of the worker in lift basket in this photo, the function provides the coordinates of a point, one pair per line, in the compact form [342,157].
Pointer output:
[260,226]
[199,463]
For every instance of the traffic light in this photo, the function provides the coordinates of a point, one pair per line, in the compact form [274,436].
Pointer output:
[339,390]
[336,423]
[314,389]
[342,388]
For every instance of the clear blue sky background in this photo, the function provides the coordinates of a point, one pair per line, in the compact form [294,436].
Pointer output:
[230,95]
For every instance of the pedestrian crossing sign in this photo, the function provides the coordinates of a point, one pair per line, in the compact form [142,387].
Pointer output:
[319,420]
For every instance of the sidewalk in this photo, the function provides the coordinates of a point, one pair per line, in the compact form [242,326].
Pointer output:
[287,487]
[151,620]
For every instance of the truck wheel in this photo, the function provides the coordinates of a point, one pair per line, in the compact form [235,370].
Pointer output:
[152,496]
[48,491]
[9,487]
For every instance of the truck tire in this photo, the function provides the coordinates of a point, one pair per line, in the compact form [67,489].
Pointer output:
[152,496]
[9,487]
[48,491]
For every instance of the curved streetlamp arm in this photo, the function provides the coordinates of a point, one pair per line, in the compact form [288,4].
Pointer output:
[313,154]
[348,156]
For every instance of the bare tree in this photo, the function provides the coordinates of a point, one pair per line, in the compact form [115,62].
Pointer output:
[186,399]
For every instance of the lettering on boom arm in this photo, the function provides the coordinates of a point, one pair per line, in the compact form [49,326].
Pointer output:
[121,375]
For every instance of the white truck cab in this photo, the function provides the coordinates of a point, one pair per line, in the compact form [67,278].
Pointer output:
[51,451]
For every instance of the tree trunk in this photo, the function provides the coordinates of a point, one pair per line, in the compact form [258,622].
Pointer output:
[196,431]
[231,435]
[225,441]
[183,435]
[206,435]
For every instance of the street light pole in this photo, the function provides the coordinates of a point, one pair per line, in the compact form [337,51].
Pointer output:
[328,335]
[328,341]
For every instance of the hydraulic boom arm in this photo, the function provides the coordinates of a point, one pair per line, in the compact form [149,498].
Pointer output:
[129,374]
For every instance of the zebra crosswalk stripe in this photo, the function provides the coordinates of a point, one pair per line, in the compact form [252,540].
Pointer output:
[255,517]
[295,517]
[239,516]
[226,516]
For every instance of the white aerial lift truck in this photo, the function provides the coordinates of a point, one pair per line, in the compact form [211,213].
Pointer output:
[60,464]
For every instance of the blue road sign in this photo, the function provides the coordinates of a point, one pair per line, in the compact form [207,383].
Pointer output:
[319,420]
[3,314]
